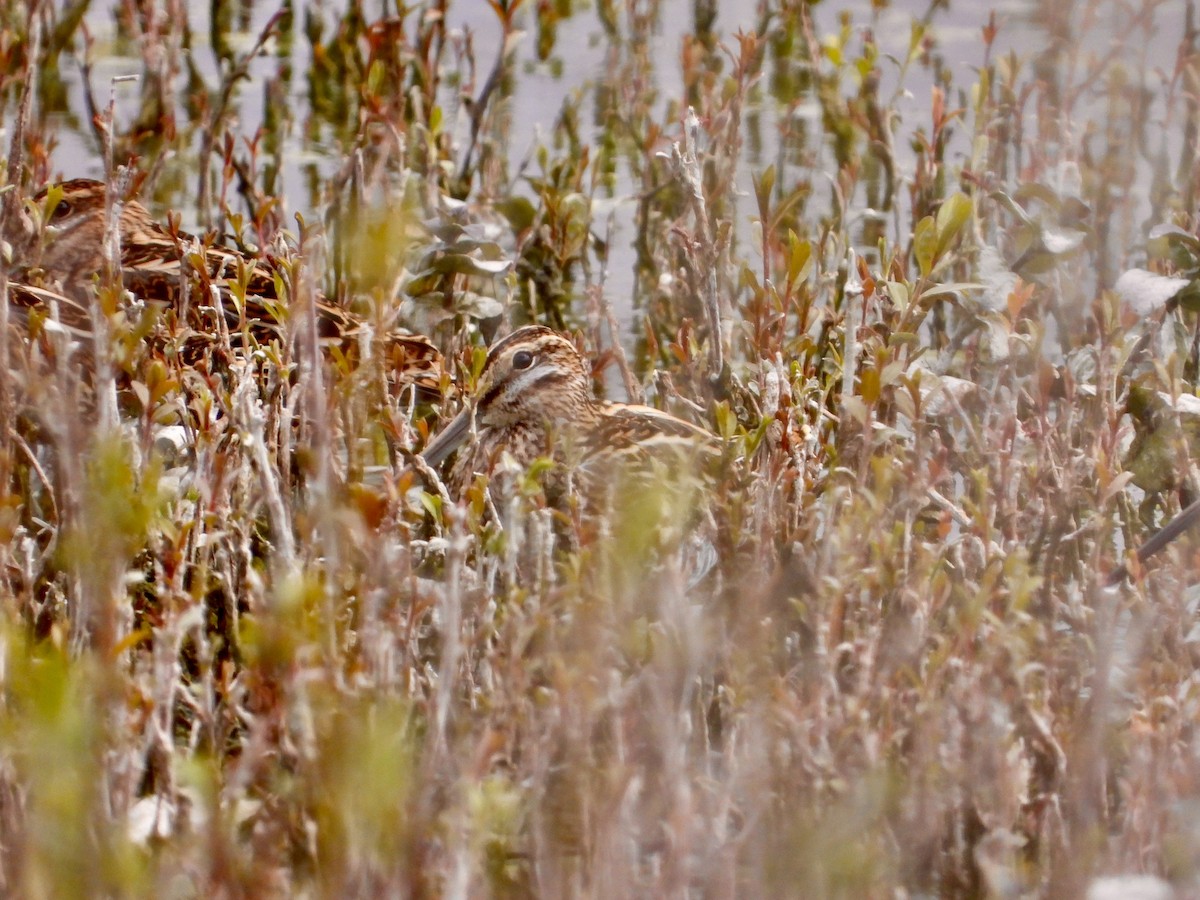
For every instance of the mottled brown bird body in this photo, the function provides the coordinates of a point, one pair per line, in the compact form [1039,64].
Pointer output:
[534,399]
[193,282]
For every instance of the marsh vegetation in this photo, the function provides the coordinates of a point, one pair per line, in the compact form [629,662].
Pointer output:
[939,314]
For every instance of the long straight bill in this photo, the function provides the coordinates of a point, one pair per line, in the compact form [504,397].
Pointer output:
[449,438]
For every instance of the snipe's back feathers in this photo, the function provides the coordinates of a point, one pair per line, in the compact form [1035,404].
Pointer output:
[189,279]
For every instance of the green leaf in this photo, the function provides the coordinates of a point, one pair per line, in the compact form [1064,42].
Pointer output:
[925,244]
[869,384]
[726,420]
[423,283]
[799,258]
[519,211]
[763,185]
[953,214]
[832,48]
[891,373]
[1189,297]
[950,288]
[1013,207]
[477,306]
[1175,244]
[432,503]
[375,77]
[915,39]
[898,291]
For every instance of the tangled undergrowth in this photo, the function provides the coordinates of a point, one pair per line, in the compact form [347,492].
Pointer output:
[252,647]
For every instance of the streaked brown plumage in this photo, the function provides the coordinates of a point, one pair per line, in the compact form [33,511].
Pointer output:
[534,399]
[39,316]
[186,278]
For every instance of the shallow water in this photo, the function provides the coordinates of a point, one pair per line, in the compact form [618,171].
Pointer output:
[578,68]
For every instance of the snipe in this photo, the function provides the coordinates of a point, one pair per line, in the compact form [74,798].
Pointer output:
[534,399]
[180,274]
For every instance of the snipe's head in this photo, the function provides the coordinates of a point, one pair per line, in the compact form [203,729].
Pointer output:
[532,378]
[73,247]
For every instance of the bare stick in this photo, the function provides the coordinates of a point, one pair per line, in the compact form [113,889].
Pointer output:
[240,70]
[1186,519]
[687,170]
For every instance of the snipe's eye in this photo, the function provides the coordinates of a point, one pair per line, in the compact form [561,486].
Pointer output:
[522,359]
[61,211]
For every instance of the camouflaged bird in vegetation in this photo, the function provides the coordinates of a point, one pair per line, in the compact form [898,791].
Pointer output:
[534,399]
[202,293]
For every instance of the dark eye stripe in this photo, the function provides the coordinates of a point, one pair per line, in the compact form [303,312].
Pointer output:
[545,376]
[490,395]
